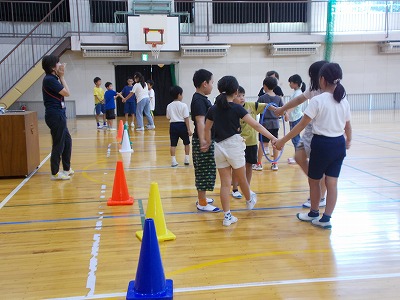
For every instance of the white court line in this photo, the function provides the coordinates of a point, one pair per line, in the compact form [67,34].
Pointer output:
[250,284]
[6,199]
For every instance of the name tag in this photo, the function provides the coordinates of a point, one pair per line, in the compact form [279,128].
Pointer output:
[62,104]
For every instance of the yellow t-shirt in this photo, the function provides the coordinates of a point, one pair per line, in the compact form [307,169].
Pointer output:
[248,132]
[99,92]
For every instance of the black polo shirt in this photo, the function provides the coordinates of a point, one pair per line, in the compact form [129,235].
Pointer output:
[53,101]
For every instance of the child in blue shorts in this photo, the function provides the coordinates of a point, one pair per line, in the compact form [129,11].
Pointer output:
[330,113]
[130,103]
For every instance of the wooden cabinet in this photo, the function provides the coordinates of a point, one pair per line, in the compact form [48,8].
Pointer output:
[19,143]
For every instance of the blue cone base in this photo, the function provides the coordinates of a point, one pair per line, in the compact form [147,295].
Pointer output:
[168,293]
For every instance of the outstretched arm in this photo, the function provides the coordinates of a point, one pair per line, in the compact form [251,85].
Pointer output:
[257,126]
[291,104]
[292,133]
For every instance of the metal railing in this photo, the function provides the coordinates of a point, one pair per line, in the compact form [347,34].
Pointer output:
[212,17]
[42,39]
[216,16]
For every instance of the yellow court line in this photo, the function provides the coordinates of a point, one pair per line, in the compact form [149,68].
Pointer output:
[242,257]
[87,176]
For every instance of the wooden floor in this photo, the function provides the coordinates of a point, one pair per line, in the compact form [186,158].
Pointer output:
[61,240]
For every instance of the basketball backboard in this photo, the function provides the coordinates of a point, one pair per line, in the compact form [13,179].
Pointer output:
[145,31]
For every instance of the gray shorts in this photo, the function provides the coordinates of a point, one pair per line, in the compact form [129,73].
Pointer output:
[305,140]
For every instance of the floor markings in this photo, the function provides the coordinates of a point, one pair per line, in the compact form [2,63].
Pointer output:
[252,284]
[6,199]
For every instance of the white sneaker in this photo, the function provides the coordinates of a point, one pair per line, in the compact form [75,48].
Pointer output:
[112,129]
[229,221]
[259,167]
[307,204]
[140,129]
[70,172]
[150,127]
[305,217]
[186,163]
[237,195]
[291,161]
[174,164]
[133,125]
[100,127]
[324,225]
[60,176]
[254,166]
[274,167]
[252,202]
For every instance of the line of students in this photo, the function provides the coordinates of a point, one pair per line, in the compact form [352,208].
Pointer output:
[138,98]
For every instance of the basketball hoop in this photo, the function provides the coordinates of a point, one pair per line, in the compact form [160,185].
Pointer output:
[155,49]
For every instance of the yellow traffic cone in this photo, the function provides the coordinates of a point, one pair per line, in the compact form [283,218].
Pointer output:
[155,211]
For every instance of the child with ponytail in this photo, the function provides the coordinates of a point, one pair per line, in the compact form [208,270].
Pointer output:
[224,117]
[330,113]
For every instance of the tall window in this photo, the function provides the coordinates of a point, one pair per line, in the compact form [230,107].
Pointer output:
[102,11]
[33,11]
[275,11]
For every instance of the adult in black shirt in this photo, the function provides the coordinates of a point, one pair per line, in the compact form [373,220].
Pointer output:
[54,89]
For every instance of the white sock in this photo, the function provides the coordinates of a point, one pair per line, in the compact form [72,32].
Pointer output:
[173,160]
[186,158]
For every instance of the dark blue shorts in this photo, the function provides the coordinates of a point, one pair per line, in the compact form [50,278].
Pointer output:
[100,108]
[130,108]
[326,157]
[178,130]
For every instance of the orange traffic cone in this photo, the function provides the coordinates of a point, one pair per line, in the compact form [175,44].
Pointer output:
[120,131]
[155,211]
[120,195]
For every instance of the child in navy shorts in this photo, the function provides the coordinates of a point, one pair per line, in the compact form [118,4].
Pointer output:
[330,113]
[179,128]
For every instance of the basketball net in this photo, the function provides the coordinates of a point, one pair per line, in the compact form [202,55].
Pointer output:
[155,49]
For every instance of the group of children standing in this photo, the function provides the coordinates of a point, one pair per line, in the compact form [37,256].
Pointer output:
[138,97]
[225,139]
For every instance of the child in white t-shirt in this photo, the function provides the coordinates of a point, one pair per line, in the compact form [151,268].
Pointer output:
[295,114]
[178,115]
[330,114]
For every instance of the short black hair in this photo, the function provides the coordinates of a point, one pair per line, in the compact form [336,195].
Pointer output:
[270,73]
[96,79]
[175,91]
[49,62]
[241,90]
[270,83]
[108,84]
[200,76]
[149,81]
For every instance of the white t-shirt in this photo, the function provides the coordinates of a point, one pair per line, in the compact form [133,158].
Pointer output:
[152,99]
[329,117]
[297,112]
[140,92]
[177,111]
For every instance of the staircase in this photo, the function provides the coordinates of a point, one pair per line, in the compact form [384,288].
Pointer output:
[21,67]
